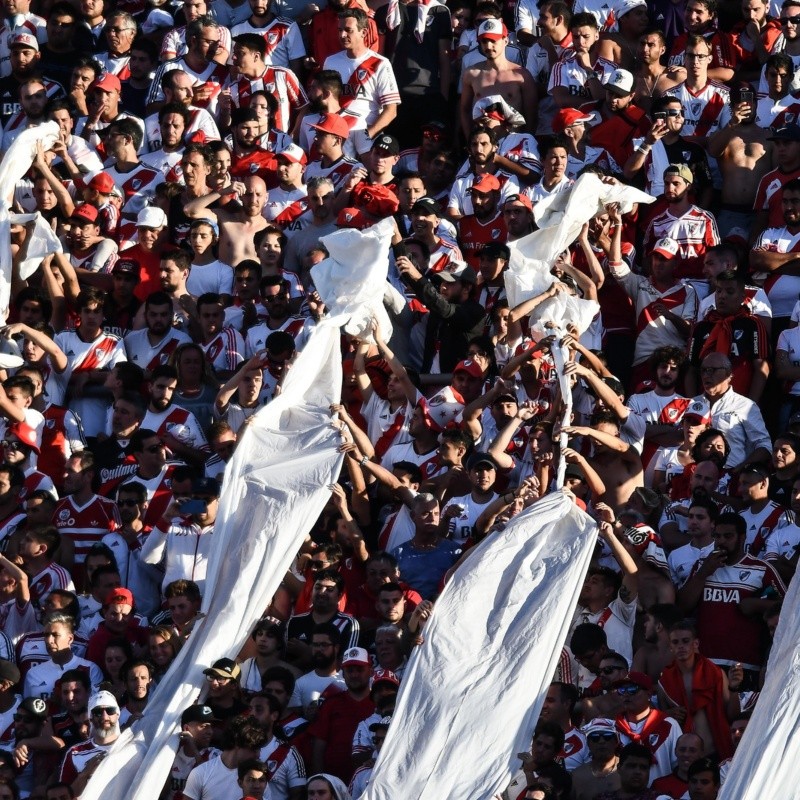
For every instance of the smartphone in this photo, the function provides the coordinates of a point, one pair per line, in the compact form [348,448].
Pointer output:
[747,96]
[192,507]
[659,115]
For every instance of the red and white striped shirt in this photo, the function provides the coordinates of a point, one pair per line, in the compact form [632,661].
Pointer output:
[87,524]
[281,83]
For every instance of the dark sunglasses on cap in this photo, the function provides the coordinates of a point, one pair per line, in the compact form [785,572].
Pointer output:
[628,688]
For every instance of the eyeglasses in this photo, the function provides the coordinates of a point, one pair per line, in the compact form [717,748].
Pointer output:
[795,20]
[609,670]
[629,688]
[6,445]
[217,679]
[598,736]
[108,711]
[127,503]
[697,56]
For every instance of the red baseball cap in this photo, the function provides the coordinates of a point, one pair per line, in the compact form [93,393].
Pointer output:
[519,198]
[121,595]
[470,367]
[108,83]
[356,218]
[486,183]
[26,434]
[102,182]
[334,124]
[567,117]
[83,213]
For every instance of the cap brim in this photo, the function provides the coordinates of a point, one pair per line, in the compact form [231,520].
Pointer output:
[664,253]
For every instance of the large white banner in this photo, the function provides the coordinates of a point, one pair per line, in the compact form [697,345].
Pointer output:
[767,761]
[472,693]
[275,487]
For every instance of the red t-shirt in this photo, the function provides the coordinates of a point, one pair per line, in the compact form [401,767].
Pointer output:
[336,725]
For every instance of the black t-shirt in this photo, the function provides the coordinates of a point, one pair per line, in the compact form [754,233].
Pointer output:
[416,64]
[683,152]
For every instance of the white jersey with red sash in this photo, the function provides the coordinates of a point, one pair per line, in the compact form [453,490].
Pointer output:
[116,65]
[283,39]
[53,576]
[225,351]
[62,435]
[177,422]
[212,76]
[138,187]
[287,207]
[575,750]
[369,84]
[701,109]
[103,352]
[694,231]
[87,524]
[36,480]
[659,734]
[445,256]
[338,171]
[159,492]
[760,525]
[427,462]
[285,769]
[281,83]
[782,290]
[522,148]
[149,356]
[8,525]
[656,409]
[257,336]
[653,330]
[200,122]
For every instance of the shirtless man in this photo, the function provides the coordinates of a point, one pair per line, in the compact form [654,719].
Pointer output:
[620,46]
[497,75]
[685,647]
[655,654]
[651,77]
[617,463]
[236,228]
[744,155]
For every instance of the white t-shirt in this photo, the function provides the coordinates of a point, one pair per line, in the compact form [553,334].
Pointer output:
[214,781]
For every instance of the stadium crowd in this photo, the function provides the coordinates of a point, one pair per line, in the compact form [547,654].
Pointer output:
[204,149]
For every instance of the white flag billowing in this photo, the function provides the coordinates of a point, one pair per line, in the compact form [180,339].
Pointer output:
[16,162]
[276,485]
[767,760]
[472,693]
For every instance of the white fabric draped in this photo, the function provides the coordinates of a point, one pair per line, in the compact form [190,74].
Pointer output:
[471,695]
[767,761]
[275,487]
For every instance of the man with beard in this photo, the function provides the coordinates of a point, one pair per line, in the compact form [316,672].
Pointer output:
[518,216]
[177,428]
[138,681]
[177,87]
[173,120]
[662,407]
[482,148]
[173,272]
[558,707]
[486,225]
[33,101]
[325,596]
[29,719]
[333,730]
[237,229]
[607,704]
[325,640]
[71,722]
[153,345]
[663,144]
[320,198]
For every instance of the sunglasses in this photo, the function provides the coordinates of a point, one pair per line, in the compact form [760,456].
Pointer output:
[673,112]
[795,20]
[433,135]
[11,445]
[630,688]
[100,710]
[606,736]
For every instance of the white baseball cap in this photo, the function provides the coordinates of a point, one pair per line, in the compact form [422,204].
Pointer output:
[151,217]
